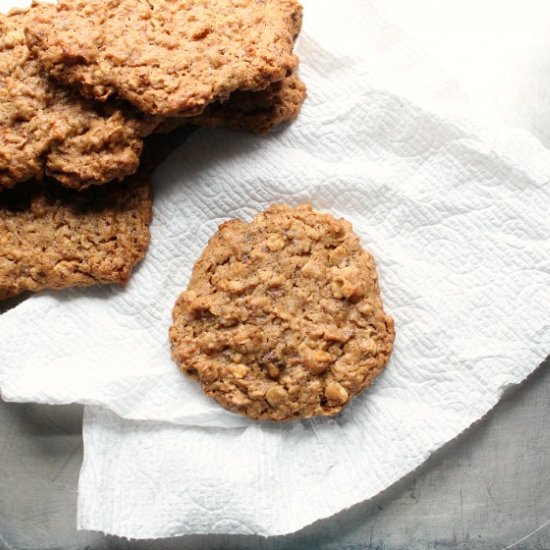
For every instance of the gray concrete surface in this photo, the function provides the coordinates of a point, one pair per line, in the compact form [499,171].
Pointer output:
[488,489]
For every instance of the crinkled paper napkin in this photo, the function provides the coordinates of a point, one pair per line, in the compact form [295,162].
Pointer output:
[456,214]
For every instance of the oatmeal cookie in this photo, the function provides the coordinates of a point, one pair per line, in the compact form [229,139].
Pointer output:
[53,237]
[49,129]
[283,318]
[167,57]
[256,112]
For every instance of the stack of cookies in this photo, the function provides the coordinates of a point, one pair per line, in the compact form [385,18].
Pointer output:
[84,82]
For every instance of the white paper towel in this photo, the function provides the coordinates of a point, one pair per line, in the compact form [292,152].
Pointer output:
[457,217]
[455,214]
[497,49]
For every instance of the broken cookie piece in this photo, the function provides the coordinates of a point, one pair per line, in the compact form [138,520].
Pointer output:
[52,237]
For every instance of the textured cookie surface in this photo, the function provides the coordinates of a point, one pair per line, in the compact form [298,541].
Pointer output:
[283,317]
[48,129]
[256,112]
[166,56]
[52,237]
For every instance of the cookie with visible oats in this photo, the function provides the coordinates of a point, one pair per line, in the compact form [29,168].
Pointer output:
[256,112]
[48,129]
[167,57]
[53,237]
[283,318]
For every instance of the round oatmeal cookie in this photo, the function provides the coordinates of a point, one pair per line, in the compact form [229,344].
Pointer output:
[167,57]
[283,318]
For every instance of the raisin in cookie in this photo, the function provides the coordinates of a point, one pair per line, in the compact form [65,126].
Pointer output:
[167,57]
[49,129]
[283,318]
[52,237]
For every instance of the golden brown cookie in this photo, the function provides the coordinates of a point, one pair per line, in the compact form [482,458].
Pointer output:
[167,57]
[256,112]
[48,129]
[52,237]
[283,318]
